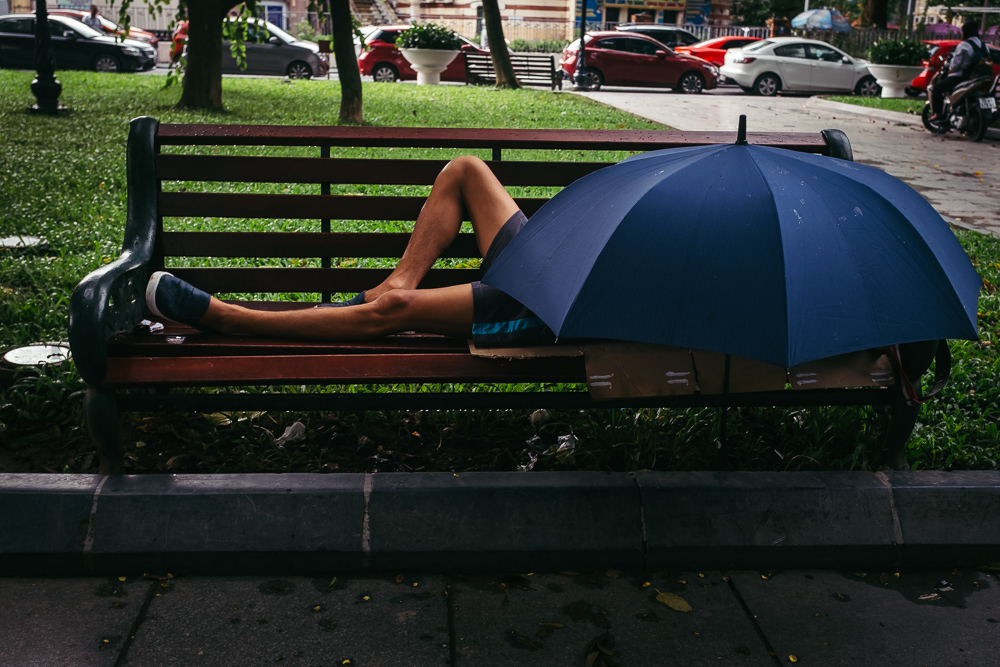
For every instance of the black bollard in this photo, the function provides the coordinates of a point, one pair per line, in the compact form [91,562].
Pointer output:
[46,87]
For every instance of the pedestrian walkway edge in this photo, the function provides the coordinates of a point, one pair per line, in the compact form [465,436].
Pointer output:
[898,117]
[488,522]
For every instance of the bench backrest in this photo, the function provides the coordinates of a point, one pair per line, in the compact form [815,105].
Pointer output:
[310,194]
[534,69]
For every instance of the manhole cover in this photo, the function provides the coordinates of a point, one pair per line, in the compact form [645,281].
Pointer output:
[31,356]
[23,242]
[34,355]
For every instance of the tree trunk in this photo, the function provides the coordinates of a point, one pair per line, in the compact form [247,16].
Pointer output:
[498,46]
[202,88]
[347,62]
[878,11]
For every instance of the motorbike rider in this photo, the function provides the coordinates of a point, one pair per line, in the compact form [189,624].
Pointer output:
[964,61]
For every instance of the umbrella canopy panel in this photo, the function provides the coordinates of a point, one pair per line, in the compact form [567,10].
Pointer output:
[759,252]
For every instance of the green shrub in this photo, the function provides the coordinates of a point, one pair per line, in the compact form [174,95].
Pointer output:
[304,30]
[906,52]
[542,46]
[429,36]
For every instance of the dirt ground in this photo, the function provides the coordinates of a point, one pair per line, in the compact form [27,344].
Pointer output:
[255,442]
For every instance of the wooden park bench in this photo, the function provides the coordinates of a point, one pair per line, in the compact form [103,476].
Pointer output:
[531,69]
[308,229]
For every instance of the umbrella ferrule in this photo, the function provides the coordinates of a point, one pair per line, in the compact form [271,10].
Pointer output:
[741,133]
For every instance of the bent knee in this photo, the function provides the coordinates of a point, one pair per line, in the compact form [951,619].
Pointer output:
[464,167]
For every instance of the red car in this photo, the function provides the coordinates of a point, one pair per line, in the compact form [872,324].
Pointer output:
[714,50]
[940,49]
[630,59]
[111,27]
[383,62]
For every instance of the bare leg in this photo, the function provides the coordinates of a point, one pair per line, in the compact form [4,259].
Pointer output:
[447,311]
[466,186]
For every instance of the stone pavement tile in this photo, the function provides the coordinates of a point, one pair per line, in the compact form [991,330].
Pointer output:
[829,618]
[219,621]
[77,622]
[557,619]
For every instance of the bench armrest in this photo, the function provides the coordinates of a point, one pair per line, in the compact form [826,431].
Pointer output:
[112,298]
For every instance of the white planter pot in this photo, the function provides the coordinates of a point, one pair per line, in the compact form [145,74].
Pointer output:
[894,79]
[428,63]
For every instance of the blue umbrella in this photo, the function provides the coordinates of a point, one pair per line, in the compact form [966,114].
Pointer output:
[759,252]
[821,19]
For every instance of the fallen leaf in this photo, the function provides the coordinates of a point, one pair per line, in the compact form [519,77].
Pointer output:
[399,578]
[674,601]
[793,658]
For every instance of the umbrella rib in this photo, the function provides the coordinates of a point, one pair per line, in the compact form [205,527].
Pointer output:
[781,241]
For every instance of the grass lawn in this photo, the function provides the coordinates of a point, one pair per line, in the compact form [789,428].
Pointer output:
[910,105]
[63,179]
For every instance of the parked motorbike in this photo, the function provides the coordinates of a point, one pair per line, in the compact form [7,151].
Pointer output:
[970,108]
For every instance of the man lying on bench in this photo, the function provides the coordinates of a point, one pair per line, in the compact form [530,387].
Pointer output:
[465,187]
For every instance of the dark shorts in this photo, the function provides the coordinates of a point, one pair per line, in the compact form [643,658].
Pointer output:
[499,320]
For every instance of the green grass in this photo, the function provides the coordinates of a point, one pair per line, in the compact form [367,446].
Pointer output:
[902,105]
[906,105]
[63,179]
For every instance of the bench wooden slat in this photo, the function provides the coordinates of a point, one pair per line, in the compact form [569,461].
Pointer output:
[202,344]
[458,137]
[309,280]
[354,368]
[530,69]
[256,169]
[302,244]
[302,207]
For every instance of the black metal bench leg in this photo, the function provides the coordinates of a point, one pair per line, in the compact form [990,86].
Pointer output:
[903,418]
[720,460]
[916,359]
[101,412]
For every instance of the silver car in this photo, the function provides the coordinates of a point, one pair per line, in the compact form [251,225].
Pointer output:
[271,50]
[791,64]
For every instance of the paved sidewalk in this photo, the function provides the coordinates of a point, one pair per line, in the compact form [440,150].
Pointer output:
[943,169]
[936,618]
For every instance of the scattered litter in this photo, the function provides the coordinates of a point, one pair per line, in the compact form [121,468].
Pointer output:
[532,459]
[929,596]
[294,433]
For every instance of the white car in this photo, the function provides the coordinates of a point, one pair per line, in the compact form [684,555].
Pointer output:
[793,64]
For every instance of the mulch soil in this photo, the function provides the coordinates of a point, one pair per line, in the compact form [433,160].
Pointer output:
[363,442]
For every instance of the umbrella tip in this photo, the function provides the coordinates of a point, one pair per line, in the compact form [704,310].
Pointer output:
[741,134]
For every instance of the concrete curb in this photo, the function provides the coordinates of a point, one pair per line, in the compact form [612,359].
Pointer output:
[483,522]
[879,114]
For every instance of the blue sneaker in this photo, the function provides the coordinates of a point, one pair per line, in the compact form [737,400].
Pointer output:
[356,300]
[169,297]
